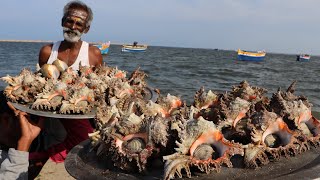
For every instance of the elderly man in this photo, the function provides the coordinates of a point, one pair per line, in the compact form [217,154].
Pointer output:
[76,21]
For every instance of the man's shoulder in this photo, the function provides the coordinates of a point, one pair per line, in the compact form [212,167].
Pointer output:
[95,56]
[47,47]
[44,53]
[50,45]
[93,49]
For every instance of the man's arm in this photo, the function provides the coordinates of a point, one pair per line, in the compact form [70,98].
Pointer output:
[95,57]
[44,54]
[29,129]
[16,162]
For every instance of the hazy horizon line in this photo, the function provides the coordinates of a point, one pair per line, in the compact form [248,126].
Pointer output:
[117,43]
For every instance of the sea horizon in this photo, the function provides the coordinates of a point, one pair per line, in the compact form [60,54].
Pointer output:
[46,41]
[120,43]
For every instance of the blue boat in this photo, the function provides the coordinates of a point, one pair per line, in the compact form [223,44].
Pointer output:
[251,56]
[104,47]
[303,57]
[134,47]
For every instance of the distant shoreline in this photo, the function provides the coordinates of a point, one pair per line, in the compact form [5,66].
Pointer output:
[48,41]
[9,40]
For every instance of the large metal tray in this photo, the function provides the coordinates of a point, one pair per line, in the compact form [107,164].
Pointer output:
[54,114]
[150,94]
[81,163]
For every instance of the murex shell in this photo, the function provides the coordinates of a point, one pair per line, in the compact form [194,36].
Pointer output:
[203,146]
[24,87]
[271,138]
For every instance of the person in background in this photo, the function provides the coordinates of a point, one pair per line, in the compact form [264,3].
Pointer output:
[135,43]
[17,132]
[76,21]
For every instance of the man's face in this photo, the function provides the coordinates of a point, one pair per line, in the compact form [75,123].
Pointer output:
[74,25]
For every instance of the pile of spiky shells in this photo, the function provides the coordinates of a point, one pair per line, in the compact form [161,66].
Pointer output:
[55,87]
[133,133]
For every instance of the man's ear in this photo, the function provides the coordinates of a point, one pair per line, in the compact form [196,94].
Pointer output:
[86,30]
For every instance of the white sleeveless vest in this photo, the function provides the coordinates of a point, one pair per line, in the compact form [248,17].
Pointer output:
[82,59]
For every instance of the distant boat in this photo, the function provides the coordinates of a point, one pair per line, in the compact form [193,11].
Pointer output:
[133,47]
[104,47]
[303,57]
[251,56]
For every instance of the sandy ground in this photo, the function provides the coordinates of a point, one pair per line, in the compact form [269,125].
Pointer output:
[52,170]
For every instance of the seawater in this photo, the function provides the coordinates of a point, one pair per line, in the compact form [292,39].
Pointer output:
[182,71]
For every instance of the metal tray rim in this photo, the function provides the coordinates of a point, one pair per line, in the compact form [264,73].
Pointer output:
[26,108]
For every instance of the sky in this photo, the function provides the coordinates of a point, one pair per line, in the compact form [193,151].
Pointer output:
[279,26]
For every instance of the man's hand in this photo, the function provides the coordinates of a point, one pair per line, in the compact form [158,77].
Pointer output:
[29,130]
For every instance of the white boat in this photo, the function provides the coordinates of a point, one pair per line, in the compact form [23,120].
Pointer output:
[133,47]
[303,57]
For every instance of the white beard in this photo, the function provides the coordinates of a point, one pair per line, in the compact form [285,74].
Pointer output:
[72,36]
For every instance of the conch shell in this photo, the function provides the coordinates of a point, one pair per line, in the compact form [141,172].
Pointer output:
[61,65]
[50,71]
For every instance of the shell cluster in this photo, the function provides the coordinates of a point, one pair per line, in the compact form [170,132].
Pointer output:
[57,88]
[133,132]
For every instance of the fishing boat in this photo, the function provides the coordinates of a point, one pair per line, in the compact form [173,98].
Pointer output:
[303,57]
[134,47]
[251,56]
[104,47]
